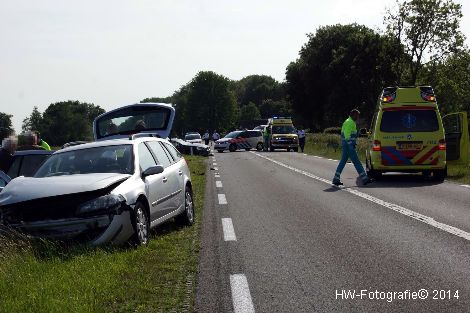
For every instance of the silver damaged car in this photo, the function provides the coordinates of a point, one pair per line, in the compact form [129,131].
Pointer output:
[106,192]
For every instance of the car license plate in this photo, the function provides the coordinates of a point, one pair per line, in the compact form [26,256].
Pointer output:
[409,146]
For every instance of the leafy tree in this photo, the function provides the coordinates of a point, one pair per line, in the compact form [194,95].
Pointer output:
[256,88]
[157,100]
[341,67]
[207,102]
[270,108]
[69,121]
[428,29]
[451,82]
[249,112]
[33,122]
[6,126]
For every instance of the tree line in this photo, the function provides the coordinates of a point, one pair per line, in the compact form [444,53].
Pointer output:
[340,67]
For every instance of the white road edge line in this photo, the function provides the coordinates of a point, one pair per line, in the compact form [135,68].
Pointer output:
[222,198]
[217,176]
[214,164]
[241,297]
[218,184]
[229,232]
[417,216]
[466,186]
[216,168]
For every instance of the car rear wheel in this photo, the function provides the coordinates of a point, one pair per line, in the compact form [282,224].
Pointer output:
[232,147]
[259,146]
[187,217]
[141,225]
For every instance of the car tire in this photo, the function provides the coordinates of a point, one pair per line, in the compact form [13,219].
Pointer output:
[141,225]
[271,149]
[259,146]
[296,149]
[220,151]
[232,147]
[377,175]
[187,217]
[440,175]
[247,149]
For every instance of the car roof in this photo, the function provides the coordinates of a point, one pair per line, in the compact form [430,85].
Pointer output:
[110,142]
[33,152]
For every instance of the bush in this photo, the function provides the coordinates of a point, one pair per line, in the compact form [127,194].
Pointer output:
[332,130]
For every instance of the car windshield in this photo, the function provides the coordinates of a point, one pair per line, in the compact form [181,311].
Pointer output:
[409,121]
[108,159]
[192,136]
[131,120]
[232,134]
[284,129]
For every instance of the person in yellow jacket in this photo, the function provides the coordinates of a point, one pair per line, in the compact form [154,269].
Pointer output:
[41,142]
[348,144]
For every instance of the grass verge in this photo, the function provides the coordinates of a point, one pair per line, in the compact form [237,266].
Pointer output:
[160,277]
[328,145]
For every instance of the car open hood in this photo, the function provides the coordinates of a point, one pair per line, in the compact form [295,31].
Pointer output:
[28,188]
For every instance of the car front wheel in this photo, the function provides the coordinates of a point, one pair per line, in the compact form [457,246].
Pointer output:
[232,148]
[141,225]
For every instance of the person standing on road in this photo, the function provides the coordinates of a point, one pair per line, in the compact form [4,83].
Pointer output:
[41,141]
[206,137]
[29,142]
[7,150]
[266,138]
[301,134]
[215,136]
[348,143]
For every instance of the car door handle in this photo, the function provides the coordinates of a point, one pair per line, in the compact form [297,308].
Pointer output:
[165,179]
[180,172]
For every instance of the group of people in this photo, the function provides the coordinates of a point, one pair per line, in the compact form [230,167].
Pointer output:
[207,137]
[30,140]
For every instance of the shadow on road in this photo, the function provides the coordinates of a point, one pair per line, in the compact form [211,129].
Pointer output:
[400,181]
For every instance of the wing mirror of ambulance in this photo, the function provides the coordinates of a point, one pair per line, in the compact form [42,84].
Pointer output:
[363,132]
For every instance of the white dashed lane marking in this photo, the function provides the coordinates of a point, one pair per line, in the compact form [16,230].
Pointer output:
[218,184]
[241,297]
[217,176]
[229,232]
[222,199]
[417,216]
[216,168]
[214,164]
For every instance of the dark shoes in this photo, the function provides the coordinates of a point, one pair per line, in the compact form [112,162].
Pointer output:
[337,183]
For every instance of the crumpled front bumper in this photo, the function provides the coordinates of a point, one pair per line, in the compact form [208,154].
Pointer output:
[97,230]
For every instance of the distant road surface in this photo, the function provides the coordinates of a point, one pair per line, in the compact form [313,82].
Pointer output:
[277,237]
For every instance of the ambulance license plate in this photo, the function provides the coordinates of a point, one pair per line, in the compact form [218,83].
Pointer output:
[410,145]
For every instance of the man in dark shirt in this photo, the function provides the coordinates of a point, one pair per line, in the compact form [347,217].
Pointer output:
[6,153]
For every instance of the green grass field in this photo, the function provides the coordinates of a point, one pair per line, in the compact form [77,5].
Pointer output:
[160,277]
[328,145]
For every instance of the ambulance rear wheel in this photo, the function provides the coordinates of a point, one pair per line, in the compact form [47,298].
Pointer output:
[271,149]
[440,175]
[232,148]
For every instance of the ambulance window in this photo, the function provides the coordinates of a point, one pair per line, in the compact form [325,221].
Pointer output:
[409,121]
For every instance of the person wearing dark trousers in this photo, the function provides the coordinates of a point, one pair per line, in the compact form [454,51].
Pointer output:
[206,137]
[301,134]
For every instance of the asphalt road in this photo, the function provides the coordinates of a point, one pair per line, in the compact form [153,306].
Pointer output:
[299,245]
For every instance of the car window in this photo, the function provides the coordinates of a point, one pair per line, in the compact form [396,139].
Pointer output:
[158,151]
[409,121]
[244,135]
[31,163]
[174,153]
[146,159]
[255,134]
[15,167]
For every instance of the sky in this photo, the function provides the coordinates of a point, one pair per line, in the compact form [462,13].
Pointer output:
[117,52]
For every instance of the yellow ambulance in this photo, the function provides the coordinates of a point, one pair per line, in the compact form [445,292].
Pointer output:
[283,134]
[408,134]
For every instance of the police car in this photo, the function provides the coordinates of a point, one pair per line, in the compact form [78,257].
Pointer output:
[241,139]
[408,134]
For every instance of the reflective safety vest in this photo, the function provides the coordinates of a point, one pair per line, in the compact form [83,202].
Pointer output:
[349,130]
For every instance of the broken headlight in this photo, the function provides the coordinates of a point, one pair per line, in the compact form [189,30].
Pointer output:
[107,203]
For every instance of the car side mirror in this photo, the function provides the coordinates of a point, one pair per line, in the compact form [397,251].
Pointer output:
[153,170]
[363,132]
